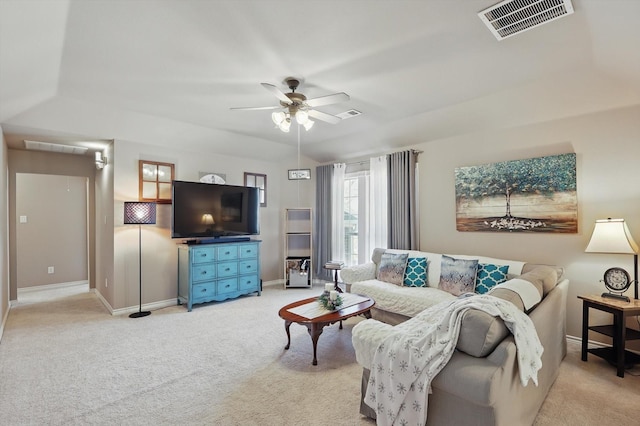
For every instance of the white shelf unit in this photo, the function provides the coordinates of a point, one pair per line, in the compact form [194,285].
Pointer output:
[298,248]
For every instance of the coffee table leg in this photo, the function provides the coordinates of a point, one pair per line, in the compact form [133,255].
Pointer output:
[315,330]
[287,324]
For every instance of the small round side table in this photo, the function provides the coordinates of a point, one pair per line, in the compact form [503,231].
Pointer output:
[335,267]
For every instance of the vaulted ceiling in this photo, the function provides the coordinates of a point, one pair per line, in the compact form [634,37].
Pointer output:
[167,72]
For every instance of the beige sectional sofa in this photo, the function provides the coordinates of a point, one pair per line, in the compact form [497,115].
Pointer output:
[480,384]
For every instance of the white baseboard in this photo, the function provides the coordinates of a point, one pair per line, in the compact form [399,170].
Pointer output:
[22,290]
[4,321]
[280,282]
[131,309]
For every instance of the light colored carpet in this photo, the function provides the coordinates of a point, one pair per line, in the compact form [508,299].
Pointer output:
[66,361]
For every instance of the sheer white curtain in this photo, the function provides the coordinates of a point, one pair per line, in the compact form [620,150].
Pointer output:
[337,212]
[378,203]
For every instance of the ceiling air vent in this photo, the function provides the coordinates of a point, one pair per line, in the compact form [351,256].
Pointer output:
[55,147]
[349,114]
[511,17]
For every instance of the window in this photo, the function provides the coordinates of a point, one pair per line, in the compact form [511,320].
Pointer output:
[155,181]
[355,217]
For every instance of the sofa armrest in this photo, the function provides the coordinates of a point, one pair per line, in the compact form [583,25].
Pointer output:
[355,273]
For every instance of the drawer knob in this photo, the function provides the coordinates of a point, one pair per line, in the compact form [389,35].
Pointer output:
[203,273]
[227,269]
[204,290]
[227,286]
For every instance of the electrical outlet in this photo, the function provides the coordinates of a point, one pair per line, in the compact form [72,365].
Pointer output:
[106,282]
[50,270]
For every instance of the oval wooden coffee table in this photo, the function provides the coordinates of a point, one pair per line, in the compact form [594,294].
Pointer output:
[315,325]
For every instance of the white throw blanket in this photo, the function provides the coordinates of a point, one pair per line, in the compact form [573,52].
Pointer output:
[406,362]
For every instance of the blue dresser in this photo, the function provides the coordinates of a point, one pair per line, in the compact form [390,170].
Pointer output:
[218,271]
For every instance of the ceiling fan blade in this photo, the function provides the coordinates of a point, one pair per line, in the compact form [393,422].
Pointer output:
[327,100]
[257,108]
[323,116]
[279,94]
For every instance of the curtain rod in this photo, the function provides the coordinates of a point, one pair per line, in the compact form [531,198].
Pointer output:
[354,163]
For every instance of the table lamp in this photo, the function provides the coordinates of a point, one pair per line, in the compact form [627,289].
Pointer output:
[613,236]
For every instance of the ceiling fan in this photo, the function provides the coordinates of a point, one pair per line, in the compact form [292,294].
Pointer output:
[296,105]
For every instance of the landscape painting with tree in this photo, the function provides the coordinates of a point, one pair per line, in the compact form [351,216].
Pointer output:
[532,195]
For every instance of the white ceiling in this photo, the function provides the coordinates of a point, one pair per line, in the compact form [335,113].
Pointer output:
[167,72]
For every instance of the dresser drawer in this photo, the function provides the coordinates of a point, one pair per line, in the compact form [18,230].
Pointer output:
[228,285]
[203,292]
[248,266]
[202,255]
[203,273]
[228,253]
[249,282]
[227,269]
[248,251]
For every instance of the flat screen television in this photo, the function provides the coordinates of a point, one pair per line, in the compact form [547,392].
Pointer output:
[208,210]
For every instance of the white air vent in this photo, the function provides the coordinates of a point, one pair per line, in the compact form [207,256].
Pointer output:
[55,147]
[349,114]
[511,17]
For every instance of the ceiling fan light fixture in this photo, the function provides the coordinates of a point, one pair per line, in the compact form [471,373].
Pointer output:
[285,125]
[278,117]
[302,117]
[308,125]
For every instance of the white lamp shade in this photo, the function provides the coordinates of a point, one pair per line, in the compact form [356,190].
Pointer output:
[285,125]
[308,125]
[612,236]
[278,117]
[302,117]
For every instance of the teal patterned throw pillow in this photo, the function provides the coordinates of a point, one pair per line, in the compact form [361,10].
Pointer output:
[490,275]
[416,273]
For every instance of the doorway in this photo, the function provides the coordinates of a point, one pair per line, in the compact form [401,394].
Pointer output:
[51,234]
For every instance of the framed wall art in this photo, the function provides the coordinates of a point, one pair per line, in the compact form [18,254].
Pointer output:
[257,180]
[154,181]
[299,174]
[531,195]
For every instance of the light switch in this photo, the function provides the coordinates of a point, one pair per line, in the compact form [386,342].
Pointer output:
[23,219]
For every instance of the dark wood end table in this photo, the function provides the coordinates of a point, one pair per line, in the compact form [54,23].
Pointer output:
[618,331]
[315,325]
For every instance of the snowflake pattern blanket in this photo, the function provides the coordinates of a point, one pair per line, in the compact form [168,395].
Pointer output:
[406,362]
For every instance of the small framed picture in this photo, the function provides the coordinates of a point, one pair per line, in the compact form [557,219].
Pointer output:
[298,174]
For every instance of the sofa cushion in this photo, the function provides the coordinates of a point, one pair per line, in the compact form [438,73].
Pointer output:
[458,276]
[489,275]
[407,301]
[415,275]
[392,266]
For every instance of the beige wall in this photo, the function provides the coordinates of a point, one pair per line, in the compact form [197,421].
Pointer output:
[55,231]
[4,234]
[607,146]
[159,252]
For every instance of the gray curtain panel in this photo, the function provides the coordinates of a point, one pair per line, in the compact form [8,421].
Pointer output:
[322,249]
[403,223]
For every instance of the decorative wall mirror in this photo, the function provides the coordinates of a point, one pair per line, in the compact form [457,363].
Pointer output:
[155,181]
[257,180]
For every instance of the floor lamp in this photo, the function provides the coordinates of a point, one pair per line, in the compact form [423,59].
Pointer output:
[139,213]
